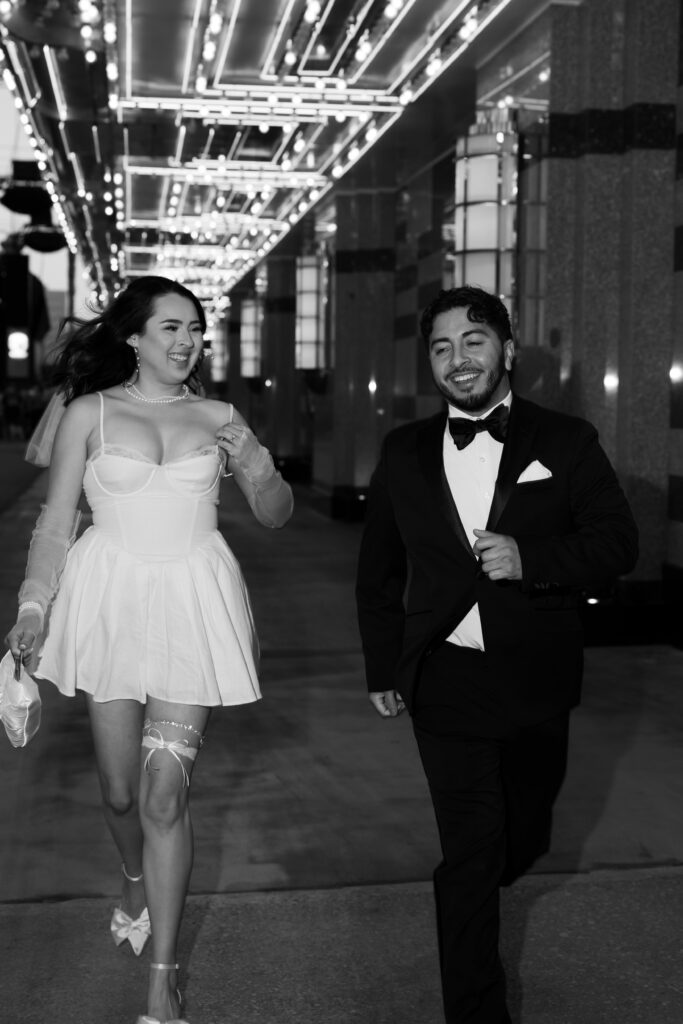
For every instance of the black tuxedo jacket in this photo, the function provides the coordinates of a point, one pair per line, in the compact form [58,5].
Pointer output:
[418,575]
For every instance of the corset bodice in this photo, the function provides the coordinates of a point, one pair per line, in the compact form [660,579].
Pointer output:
[154,509]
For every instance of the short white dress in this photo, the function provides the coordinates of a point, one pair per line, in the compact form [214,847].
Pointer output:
[152,602]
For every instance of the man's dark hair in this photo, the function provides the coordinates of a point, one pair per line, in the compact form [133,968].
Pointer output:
[482,308]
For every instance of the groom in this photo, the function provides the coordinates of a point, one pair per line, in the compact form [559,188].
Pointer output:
[483,527]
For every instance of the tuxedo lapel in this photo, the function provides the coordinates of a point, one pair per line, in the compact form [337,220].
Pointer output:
[430,456]
[516,452]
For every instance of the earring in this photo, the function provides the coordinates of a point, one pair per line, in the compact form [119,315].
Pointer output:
[137,360]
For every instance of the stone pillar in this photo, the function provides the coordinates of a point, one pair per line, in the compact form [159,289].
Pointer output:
[610,207]
[388,262]
[673,574]
[363,340]
[237,389]
[282,386]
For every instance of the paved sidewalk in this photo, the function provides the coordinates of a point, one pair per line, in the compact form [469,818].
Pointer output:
[315,840]
[584,949]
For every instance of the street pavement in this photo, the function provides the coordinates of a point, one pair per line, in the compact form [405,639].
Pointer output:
[311,897]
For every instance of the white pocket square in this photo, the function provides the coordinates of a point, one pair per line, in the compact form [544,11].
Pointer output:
[534,471]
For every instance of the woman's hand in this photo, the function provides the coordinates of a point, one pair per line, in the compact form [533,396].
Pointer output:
[239,442]
[22,636]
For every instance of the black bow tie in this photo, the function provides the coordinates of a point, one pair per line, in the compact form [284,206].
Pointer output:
[463,430]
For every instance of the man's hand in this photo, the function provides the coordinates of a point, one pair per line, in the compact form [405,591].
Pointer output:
[499,555]
[388,703]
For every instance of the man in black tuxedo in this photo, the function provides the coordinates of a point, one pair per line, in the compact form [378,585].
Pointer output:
[483,527]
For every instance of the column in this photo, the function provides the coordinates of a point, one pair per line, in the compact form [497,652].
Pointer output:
[239,391]
[673,570]
[610,206]
[282,386]
[363,341]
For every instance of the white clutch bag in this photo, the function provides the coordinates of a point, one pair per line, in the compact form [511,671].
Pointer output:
[19,702]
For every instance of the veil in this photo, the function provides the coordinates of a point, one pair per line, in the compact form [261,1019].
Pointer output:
[39,448]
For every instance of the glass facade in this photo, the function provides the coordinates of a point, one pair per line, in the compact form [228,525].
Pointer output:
[251,337]
[484,235]
[311,300]
[532,231]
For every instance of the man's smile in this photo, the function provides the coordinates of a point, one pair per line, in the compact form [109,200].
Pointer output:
[463,378]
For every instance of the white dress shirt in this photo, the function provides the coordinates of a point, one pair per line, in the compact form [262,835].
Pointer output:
[471,474]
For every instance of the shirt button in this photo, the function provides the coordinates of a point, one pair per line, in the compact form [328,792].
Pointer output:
[482,459]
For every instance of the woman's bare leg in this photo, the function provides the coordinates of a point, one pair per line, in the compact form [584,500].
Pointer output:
[116,729]
[167,829]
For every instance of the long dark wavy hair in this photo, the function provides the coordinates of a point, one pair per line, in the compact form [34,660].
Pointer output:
[94,354]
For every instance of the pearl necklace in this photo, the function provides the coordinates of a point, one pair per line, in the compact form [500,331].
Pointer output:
[134,392]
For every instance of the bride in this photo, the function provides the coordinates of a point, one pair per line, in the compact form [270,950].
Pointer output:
[147,612]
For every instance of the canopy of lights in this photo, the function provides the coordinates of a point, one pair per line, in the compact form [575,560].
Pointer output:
[188,137]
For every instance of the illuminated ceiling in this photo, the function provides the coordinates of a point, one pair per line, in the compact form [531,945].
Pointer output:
[188,137]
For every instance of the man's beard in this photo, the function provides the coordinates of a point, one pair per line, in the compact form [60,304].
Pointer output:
[476,400]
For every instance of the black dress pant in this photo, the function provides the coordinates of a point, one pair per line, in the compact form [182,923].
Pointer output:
[492,786]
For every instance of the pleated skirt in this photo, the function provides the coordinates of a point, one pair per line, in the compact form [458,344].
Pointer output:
[125,626]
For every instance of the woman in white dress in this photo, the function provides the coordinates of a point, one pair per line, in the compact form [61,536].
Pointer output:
[147,611]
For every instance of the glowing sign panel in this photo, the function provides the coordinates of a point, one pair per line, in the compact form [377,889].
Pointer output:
[17,344]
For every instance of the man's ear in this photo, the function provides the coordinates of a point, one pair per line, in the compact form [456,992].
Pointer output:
[509,353]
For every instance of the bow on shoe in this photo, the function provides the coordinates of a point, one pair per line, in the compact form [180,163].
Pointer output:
[155,1020]
[136,931]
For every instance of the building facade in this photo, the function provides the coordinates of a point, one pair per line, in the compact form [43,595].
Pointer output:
[548,172]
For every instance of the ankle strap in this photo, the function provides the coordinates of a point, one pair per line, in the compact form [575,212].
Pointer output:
[165,967]
[131,878]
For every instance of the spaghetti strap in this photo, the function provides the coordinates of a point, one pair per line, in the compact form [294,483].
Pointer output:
[232,412]
[101,418]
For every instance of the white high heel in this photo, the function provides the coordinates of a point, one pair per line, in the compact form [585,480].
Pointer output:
[145,1018]
[137,931]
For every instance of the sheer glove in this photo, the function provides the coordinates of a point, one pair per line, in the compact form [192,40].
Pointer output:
[53,535]
[267,494]
[269,497]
